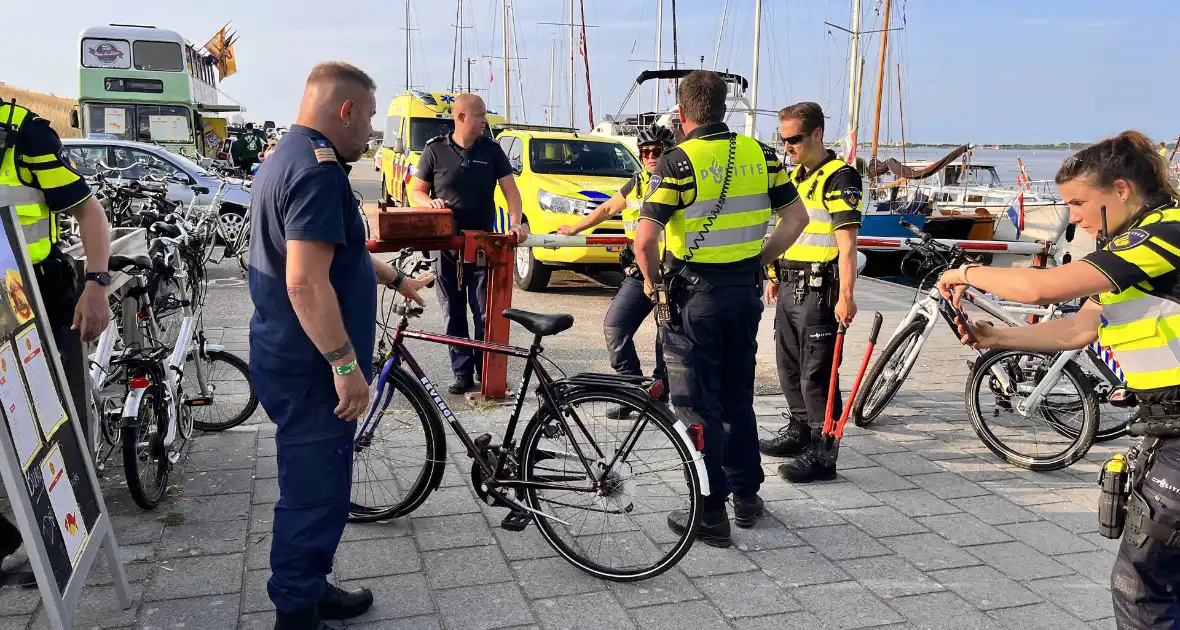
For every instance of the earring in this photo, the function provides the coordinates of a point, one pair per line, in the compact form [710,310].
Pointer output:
[346,124]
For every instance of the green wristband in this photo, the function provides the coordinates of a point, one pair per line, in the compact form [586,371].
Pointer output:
[345,369]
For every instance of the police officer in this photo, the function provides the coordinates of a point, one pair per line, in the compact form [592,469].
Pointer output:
[45,184]
[313,285]
[460,171]
[713,196]
[630,305]
[813,284]
[1137,283]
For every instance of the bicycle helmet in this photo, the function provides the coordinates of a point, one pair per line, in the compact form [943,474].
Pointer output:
[655,134]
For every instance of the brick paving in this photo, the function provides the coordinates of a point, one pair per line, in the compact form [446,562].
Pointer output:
[924,528]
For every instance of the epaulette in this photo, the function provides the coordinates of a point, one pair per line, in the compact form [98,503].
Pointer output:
[324,153]
[767,150]
[678,160]
[435,139]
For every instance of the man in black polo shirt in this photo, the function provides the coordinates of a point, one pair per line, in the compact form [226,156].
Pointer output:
[460,171]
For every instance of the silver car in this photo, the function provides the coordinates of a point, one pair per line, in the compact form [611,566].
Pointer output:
[133,160]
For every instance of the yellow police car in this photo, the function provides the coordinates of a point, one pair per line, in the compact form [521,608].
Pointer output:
[563,177]
[413,118]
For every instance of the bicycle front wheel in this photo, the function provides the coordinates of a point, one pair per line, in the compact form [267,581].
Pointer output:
[610,484]
[229,398]
[887,374]
[1052,434]
[145,461]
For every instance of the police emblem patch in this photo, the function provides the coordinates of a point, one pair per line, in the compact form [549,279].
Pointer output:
[851,196]
[1129,240]
[652,185]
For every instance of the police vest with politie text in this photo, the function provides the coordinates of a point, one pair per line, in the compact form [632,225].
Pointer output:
[831,192]
[37,222]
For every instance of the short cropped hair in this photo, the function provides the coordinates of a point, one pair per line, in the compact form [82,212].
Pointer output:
[811,115]
[336,72]
[702,95]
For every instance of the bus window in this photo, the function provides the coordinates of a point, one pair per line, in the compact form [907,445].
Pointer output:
[112,121]
[164,123]
[163,56]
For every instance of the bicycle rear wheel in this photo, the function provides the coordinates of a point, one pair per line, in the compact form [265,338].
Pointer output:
[617,531]
[1055,434]
[399,455]
[230,399]
[145,462]
[887,374]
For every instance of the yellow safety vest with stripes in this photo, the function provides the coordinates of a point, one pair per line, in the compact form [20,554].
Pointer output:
[634,204]
[1143,329]
[37,222]
[738,230]
[817,243]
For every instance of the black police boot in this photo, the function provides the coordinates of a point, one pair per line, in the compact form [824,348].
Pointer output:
[306,619]
[791,440]
[814,464]
[747,511]
[462,385]
[713,531]
[338,603]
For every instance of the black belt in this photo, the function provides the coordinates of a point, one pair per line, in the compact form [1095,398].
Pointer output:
[796,265]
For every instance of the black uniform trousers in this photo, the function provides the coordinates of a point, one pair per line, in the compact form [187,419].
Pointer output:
[805,346]
[628,309]
[455,303]
[710,354]
[1145,582]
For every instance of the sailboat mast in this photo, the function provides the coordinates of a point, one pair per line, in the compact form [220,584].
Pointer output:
[572,53]
[586,59]
[675,49]
[408,49]
[901,112]
[507,67]
[853,77]
[659,48]
[751,127]
[880,84]
[549,117]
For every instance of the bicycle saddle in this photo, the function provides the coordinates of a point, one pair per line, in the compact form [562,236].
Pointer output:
[159,227]
[200,190]
[122,263]
[540,323]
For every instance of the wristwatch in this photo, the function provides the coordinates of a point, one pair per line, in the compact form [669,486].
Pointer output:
[103,278]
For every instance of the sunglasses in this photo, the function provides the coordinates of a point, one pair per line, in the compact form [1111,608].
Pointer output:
[651,151]
[793,140]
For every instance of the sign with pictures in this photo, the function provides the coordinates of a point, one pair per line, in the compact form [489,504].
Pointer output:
[106,53]
[47,472]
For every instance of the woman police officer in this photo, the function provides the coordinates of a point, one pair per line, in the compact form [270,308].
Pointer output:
[1134,308]
[630,305]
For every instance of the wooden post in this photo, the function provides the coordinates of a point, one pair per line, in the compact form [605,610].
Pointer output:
[880,86]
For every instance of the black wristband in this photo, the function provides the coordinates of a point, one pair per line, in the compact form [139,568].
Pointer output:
[397,282]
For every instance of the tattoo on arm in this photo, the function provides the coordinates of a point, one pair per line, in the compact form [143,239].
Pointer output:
[339,353]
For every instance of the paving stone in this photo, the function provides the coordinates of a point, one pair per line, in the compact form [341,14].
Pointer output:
[230,459]
[851,458]
[947,485]
[943,611]
[698,614]
[1095,565]
[204,539]
[394,597]
[444,501]
[553,577]
[840,495]
[842,542]
[916,503]
[873,444]
[426,622]
[1047,537]
[994,510]
[219,611]
[900,433]
[15,622]
[974,469]
[1071,516]
[266,491]
[775,489]
[267,447]
[803,513]
[372,531]
[193,577]
[262,518]
[749,594]
[882,521]
[845,605]
[1018,561]
[1103,624]
[100,572]
[964,529]
[255,596]
[1103,542]
[257,551]
[578,612]
[523,545]
[875,478]
[1022,491]
[798,566]
[98,608]
[363,559]
[466,566]
[1085,599]
[136,530]
[1044,615]
[266,468]
[907,463]
[778,622]
[937,450]
[890,576]
[985,587]
[210,482]
[222,507]
[703,560]
[483,607]
[447,532]
[668,587]
[767,533]
[930,552]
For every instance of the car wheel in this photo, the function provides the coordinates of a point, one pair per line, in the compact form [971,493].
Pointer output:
[232,220]
[530,273]
[383,198]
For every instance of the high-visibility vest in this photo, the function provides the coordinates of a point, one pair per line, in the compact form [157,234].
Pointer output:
[1143,330]
[817,243]
[634,204]
[737,231]
[37,222]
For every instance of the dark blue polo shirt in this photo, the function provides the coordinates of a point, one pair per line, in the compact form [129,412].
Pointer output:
[302,193]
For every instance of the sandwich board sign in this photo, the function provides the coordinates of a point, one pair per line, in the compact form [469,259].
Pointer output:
[47,470]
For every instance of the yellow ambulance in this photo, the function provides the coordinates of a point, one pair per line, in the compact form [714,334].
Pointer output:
[413,118]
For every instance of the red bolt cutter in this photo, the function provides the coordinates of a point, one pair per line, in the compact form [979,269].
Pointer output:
[834,429]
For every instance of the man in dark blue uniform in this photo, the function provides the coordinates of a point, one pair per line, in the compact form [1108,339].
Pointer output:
[313,284]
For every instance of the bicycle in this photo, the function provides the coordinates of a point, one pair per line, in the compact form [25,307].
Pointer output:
[559,460]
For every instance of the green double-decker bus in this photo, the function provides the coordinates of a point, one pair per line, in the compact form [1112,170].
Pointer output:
[147,84]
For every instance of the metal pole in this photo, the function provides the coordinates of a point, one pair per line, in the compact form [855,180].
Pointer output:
[469,62]
[853,80]
[549,118]
[586,58]
[572,68]
[660,49]
[455,46]
[507,79]
[901,112]
[460,77]
[751,127]
[880,85]
[720,34]
[675,48]
[408,49]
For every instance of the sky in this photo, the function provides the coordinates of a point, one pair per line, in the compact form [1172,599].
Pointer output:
[999,71]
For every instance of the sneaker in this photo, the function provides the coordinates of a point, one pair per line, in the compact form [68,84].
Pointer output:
[747,511]
[713,531]
[462,385]
[338,603]
[791,440]
[813,464]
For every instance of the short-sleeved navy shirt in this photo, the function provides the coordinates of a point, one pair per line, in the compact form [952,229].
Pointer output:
[302,192]
[465,178]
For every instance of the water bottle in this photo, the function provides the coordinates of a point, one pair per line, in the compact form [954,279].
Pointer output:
[1112,502]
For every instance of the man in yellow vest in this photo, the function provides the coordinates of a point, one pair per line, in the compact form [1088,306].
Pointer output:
[35,176]
[813,284]
[712,197]
[630,305]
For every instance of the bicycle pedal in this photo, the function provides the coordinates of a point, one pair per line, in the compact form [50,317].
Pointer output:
[516,521]
[483,442]
[201,401]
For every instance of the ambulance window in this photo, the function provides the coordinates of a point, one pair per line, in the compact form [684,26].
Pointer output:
[393,129]
[515,152]
[506,143]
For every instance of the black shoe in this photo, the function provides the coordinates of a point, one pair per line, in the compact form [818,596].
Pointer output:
[618,412]
[813,464]
[713,531]
[791,440]
[338,603]
[306,619]
[462,385]
[747,511]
